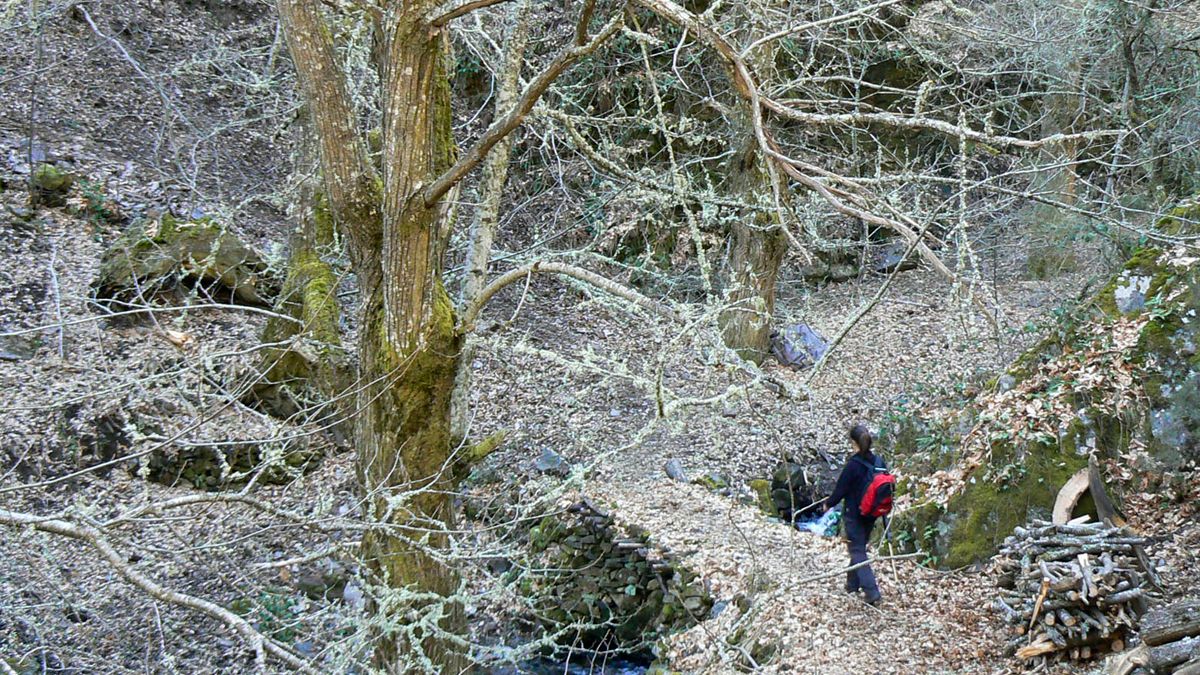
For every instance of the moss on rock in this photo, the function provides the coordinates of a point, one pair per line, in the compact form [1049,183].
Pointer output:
[762,493]
[49,185]
[153,256]
[1137,341]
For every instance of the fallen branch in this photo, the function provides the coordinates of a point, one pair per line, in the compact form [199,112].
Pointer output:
[261,645]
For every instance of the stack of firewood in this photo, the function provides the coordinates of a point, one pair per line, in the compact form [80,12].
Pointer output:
[1071,590]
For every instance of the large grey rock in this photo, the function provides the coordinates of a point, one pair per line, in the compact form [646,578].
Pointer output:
[674,469]
[1130,292]
[552,463]
[891,258]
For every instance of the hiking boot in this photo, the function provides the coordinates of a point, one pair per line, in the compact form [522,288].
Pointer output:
[851,589]
[874,600]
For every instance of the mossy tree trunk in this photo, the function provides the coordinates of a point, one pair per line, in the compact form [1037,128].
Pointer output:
[758,243]
[408,347]
[756,253]
[396,220]
[308,354]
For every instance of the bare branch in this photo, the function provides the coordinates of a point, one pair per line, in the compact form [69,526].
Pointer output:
[513,119]
[446,15]
[599,281]
[90,535]
[816,24]
[350,180]
[916,122]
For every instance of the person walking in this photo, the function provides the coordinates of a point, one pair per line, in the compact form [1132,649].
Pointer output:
[852,484]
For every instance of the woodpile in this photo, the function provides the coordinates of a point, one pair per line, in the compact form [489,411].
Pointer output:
[1072,590]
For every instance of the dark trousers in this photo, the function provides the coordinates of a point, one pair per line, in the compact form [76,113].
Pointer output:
[858,531]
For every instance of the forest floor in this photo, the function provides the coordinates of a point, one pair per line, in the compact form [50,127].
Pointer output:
[570,372]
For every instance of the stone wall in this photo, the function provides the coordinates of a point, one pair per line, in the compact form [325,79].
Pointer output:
[603,586]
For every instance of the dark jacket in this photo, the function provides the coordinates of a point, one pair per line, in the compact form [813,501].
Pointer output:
[852,484]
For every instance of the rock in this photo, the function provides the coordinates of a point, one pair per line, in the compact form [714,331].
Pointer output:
[843,272]
[552,463]
[154,256]
[717,608]
[327,582]
[353,595]
[891,258]
[212,465]
[49,185]
[791,491]
[19,347]
[798,346]
[674,469]
[762,490]
[1006,382]
[713,480]
[594,584]
[498,565]
[1156,409]
[1130,292]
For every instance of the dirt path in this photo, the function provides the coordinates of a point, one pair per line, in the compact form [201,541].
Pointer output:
[929,621]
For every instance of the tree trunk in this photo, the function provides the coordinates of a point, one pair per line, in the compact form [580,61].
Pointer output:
[408,347]
[752,267]
[491,191]
[312,358]
[409,352]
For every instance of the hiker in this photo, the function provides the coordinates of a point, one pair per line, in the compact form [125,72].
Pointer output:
[855,482]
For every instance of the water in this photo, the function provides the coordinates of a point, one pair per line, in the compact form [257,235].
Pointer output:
[579,665]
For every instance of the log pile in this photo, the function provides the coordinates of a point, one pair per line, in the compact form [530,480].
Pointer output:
[1072,590]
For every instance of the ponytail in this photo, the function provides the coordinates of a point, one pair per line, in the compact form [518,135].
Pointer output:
[861,437]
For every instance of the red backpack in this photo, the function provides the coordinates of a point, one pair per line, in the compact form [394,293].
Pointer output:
[877,500]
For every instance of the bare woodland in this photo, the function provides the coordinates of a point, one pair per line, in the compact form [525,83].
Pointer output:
[337,335]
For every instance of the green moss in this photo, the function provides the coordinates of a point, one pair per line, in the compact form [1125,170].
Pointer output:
[711,481]
[318,292]
[762,492]
[49,185]
[988,510]
[1183,220]
[155,255]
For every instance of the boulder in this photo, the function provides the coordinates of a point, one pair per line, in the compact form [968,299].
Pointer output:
[1121,368]
[552,463]
[791,490]
[674,469]
[798,346]
[891,258]
[49,185]
[158,255]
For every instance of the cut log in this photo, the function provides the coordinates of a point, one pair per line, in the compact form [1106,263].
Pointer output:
[1104,505]
[1043,645]
[1126,662]
[1164,657]
[1190,668]
[1069,496]
[1173,622]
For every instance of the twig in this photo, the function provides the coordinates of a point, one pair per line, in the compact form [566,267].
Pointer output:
[862,311]
[166,100]
[603,283]
[33,91]
[58,315]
